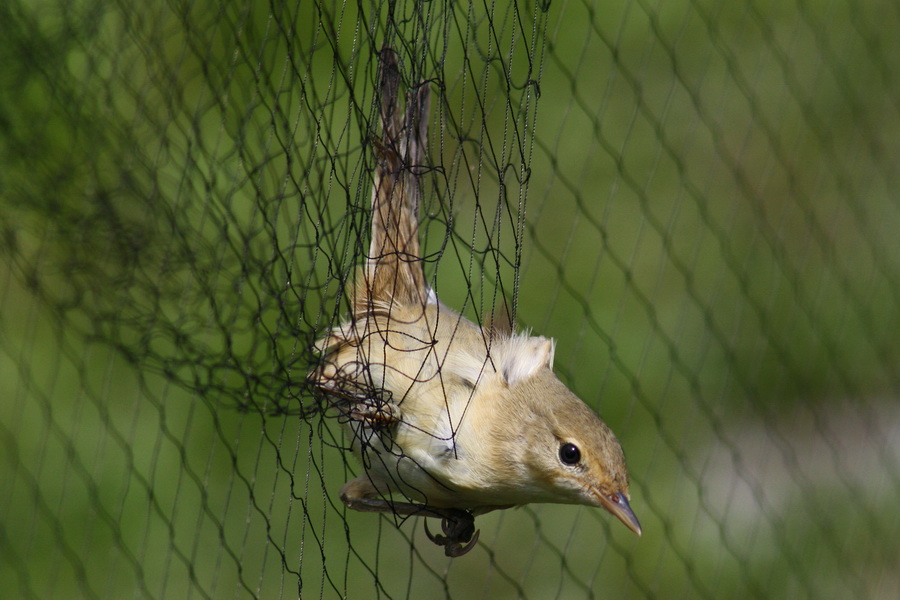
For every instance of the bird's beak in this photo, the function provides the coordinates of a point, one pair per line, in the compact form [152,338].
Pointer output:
[618,505]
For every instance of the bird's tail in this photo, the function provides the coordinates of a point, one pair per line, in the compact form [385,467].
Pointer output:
[393,273]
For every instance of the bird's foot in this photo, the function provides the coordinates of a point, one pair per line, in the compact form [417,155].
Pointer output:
[459,533]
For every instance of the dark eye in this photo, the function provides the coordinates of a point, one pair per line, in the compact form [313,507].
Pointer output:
[569,454]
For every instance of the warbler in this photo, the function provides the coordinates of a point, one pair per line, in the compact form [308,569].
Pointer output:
[450,419]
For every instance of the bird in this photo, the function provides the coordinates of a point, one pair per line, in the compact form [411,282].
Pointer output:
[450,419]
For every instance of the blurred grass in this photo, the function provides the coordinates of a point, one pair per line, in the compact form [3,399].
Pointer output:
[710,235]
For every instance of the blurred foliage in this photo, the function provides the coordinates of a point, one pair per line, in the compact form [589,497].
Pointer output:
[698,200]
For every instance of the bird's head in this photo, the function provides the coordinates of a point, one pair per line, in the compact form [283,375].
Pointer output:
[583,463]
[569,454]
[577,458]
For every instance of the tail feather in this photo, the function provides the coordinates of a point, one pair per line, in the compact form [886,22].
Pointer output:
[394,271]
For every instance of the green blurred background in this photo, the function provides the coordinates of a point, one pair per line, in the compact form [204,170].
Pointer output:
[699,200]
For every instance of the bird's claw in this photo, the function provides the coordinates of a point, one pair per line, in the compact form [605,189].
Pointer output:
[459,534]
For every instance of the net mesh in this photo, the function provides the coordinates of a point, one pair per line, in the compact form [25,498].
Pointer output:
[698,200]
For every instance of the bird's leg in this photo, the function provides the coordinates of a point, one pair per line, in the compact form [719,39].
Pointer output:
[458,525]
[376,415]
[459,532]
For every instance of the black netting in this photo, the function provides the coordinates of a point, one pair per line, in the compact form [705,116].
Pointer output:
[699,201]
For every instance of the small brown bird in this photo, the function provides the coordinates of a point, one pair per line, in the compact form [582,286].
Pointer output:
[450,419]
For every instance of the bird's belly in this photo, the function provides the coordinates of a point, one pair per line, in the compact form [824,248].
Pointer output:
[406,461]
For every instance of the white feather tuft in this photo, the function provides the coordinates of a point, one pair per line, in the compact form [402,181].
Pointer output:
[520,356]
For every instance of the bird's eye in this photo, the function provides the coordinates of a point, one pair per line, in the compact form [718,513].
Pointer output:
[569,454]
